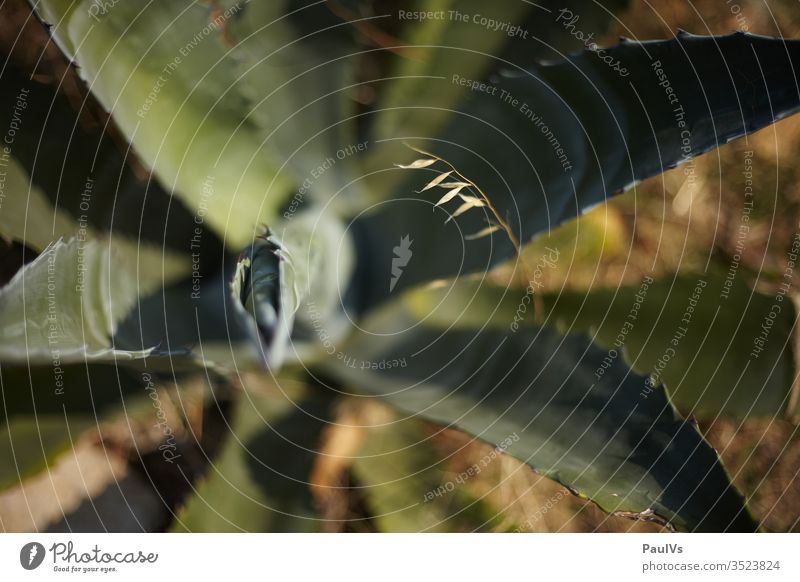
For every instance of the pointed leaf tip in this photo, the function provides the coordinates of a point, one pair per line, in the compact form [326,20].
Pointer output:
[482,233]
[448,197]
[416,164]
[437,180]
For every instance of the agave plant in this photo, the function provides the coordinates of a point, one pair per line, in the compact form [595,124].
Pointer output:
[285,188]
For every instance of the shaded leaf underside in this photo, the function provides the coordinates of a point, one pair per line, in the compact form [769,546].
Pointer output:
[610,440]
[556,139]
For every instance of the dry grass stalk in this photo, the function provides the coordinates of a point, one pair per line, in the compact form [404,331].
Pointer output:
[496,223]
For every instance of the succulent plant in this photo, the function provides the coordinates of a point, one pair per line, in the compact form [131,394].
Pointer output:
[284,188]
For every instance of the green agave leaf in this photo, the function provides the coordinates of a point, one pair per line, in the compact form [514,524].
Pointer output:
[66,175]
[630,453]
[231,104]
[436,49]
[57,318]
[319,256]
[281,288]
[466,41]
[695,340]
[296,64]
[706,375]
[66,304]
[259,482]
[166,75]
[31,444]
[561,137]
[53,188]
[236,319]
[406,487]
[93,300]
[30,219]
[44,409]
[58,357]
